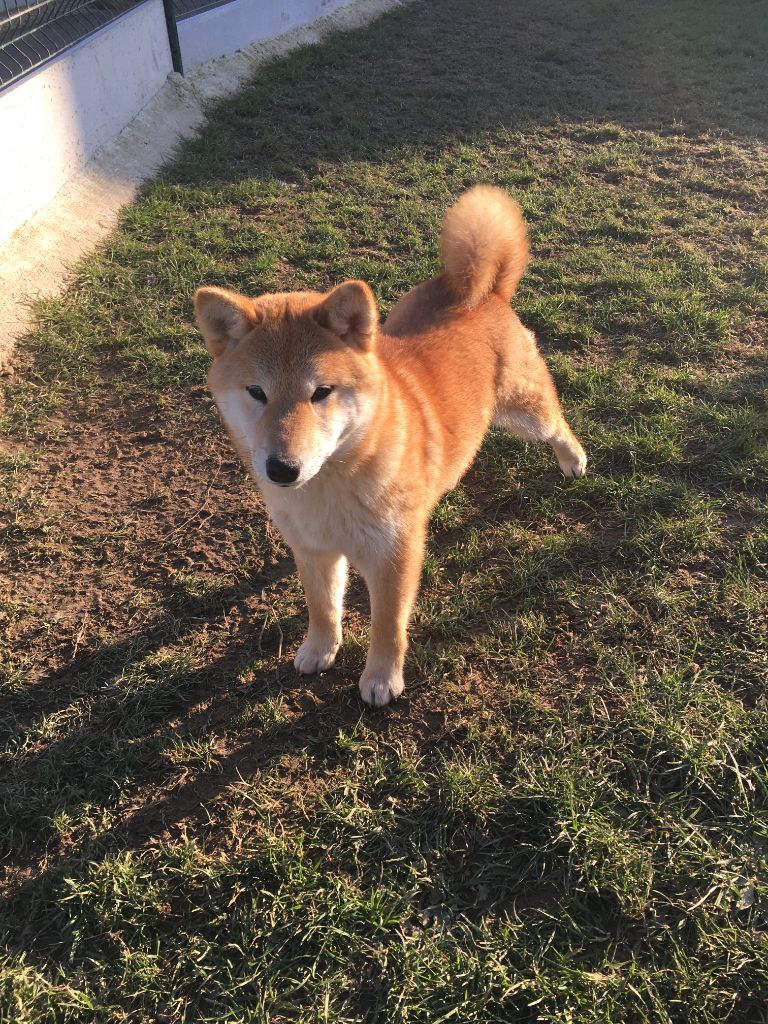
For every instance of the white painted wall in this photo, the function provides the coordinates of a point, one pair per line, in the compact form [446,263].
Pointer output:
[54,120]
[240,23]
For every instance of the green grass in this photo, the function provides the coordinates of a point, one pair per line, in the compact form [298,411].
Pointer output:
[565,819]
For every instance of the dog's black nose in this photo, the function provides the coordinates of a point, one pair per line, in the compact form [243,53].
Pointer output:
[282,472]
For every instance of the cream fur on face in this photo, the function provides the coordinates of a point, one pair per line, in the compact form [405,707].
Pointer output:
[333,430]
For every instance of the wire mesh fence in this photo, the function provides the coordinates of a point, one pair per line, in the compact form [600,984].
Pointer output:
[186,8]
[32,32]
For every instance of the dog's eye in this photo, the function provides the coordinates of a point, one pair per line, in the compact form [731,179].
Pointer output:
[255,392]
[322,392]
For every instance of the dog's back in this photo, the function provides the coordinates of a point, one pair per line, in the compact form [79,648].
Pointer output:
[452,340]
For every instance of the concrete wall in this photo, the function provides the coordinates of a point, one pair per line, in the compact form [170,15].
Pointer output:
[54,120]
[241,23]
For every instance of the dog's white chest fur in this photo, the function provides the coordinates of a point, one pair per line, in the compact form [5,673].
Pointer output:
[323,516]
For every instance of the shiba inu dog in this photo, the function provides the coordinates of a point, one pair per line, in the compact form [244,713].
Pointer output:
[353,431]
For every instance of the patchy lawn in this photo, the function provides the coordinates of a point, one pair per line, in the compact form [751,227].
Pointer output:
[565,818]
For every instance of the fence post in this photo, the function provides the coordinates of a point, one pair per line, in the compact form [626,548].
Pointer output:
[173,36]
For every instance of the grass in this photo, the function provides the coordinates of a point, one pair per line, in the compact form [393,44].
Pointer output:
[565,819]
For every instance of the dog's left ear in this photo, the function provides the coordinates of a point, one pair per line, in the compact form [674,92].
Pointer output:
[349,310]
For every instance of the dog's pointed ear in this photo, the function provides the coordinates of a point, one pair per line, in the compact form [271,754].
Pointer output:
[224,317]
[349,310]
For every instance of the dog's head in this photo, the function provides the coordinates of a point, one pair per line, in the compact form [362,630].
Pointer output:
[293,375]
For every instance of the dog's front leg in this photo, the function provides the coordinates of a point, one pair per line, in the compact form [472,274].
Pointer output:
[324,577]
[393,581]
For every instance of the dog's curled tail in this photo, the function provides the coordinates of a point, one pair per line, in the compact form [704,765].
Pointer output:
[484,245]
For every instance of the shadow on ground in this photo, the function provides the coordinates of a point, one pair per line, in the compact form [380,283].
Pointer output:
[430,73]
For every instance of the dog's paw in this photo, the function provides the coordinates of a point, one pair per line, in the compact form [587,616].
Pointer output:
[379,688]
[313,657]
[573,463]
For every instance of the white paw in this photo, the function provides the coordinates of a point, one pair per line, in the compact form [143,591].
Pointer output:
[313,657]
[379,688]
[574,463]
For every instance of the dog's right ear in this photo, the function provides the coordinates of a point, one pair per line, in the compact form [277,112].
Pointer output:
[224,318]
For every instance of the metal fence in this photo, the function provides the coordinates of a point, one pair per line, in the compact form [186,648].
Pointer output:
[186,8]
[32,32]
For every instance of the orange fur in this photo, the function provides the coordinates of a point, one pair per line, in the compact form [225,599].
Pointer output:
[410,405]
[484,245]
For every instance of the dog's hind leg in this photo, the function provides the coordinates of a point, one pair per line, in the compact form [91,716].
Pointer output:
[324,577]
[528,406]
[538,425]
